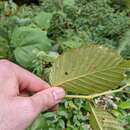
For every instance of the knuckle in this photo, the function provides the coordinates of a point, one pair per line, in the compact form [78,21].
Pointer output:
[49,99]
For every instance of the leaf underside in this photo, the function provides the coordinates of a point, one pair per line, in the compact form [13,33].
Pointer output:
[88,70]
[102,120]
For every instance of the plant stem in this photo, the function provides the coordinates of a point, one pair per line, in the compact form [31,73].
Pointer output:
[90,97]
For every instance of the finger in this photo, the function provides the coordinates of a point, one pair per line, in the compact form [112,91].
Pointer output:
[28,80]
[48,98]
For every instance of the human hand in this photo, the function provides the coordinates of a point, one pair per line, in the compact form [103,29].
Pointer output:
[17,109]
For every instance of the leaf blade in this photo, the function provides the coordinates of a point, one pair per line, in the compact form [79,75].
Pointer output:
[102,120]
[25,40]
[95,69]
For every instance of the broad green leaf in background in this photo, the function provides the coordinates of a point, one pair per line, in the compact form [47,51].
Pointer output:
[88,70]
[24,56]
[102,120]
[27,39]
[43,20]
[4,47]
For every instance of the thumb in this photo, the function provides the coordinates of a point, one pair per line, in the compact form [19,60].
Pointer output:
[47,98]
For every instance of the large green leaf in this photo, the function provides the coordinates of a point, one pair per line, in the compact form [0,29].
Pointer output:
[27,39]
[43,20]
[88,70]
[4,47]
[103,120]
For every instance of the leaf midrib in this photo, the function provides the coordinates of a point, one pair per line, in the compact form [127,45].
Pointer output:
[96,118]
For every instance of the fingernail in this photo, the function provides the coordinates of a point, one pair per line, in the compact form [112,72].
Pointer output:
[58,94]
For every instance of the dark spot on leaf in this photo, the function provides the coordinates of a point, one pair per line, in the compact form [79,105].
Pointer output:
[66,73]
[103,119]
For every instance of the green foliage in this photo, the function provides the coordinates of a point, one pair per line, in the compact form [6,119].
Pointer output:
[102,120]
[124,48]
[26,40]
[41,60]
[43,20]
[103,26]
[125,105]
[4,47]
[71,115]
[69,2]
[127,3]
[122,112]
